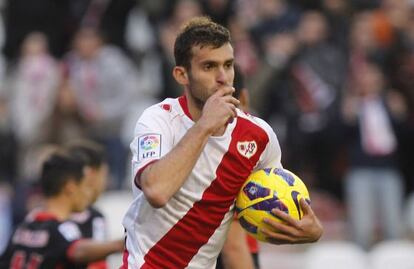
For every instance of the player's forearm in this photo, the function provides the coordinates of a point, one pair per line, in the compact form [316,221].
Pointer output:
[161,180]
[235,253]
[86,251]
[233,260]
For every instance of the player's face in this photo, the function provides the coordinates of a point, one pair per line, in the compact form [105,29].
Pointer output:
[82,196]
[99,181]
[211,69]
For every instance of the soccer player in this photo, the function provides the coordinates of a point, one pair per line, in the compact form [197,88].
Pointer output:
[47,238]
[91,221]
[191,156]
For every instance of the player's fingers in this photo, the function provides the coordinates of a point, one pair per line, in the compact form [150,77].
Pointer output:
[276,237]
[281,227]
[285,217]
[233,110]
[224,91]
[230,99]
[306,208]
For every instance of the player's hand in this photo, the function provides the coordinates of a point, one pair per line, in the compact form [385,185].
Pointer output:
[292,231]
[219,109]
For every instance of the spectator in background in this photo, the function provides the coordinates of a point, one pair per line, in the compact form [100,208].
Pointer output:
[315,80]
[48,17]
[402,67]
[33,89]
[274,16]
[373,117]
[168,29]
[104,81]
[2,39]
[271,83]
[219,11]
[401,74]
[141,41]
[31,93]
[339,15]
[244,48]
[363,44]
[65,123]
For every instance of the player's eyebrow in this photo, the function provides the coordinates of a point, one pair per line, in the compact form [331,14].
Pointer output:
[209,62]
[212,62]
[229,61]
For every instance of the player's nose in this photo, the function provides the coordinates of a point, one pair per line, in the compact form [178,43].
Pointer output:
[222,77]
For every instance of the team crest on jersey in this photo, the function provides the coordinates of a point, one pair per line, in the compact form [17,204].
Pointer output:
[247,148]
[149,146]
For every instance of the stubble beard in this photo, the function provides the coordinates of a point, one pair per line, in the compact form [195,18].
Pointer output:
[198,99]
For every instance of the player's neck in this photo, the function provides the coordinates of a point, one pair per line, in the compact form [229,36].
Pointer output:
[59,207]
[194,108]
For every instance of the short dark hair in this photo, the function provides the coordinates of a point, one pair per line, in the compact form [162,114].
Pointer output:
[59,168]
[199,31]
[91,153]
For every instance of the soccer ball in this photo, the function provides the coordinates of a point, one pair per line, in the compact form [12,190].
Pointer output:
[267,189]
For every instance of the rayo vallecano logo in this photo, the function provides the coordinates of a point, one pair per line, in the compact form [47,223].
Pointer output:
[247,148]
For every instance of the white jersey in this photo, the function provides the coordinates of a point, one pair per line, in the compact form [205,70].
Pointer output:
[189,231]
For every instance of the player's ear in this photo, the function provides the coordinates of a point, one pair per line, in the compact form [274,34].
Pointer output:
[180,75]
[87,171]
[70,187]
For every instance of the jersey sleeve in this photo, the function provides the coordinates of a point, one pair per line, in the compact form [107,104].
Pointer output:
[99,229]
[152,139]
[272,155]
[68,234]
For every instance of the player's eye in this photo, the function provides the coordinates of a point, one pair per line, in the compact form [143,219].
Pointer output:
[228,65]
[208,67]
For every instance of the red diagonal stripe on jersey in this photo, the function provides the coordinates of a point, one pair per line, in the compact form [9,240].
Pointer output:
[125,259]
[179,245]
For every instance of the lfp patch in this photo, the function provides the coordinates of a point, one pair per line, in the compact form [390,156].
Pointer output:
[149,146]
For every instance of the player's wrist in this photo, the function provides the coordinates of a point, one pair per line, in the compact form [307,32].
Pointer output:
[204,127]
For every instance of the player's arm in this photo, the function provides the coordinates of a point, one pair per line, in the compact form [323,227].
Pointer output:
[161,180]
[306,230]
[87,250]
[235,253]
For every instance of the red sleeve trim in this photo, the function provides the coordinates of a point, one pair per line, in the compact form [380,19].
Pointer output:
[71,249]
[137,178]
[98,265]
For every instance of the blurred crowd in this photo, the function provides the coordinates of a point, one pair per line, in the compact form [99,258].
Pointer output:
[334,78]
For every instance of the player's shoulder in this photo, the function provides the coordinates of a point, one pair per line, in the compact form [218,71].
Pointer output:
[95,212]
[254,120]
[168,108]
[69,230]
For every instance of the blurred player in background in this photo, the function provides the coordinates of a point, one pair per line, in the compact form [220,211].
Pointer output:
[189,163]
[91,221]
[48,238]
[240,250]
